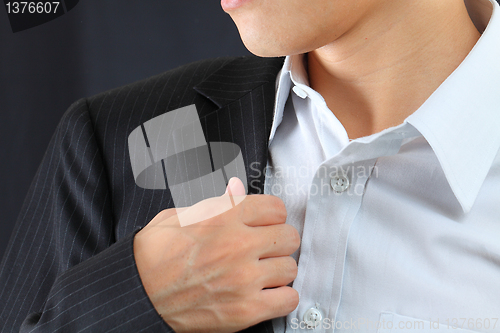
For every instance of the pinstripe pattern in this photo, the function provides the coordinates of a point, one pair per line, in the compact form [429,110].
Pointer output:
[69,265]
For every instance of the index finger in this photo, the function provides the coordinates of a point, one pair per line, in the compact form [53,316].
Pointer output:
[262,210]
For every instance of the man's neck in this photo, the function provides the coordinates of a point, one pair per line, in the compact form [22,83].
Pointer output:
[382,70]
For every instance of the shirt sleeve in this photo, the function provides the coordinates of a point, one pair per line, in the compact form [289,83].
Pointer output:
[64,270]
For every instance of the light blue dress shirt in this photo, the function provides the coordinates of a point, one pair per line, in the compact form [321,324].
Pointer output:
[401,229]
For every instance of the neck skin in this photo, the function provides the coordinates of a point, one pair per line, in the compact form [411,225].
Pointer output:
[385,67]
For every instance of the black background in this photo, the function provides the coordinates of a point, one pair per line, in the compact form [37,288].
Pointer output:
[96,46]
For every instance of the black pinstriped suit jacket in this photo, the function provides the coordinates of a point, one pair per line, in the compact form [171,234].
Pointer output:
[69,266]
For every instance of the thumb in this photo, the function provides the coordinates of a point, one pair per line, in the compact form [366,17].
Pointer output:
[235,187]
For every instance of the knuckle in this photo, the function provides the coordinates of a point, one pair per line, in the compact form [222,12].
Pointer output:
[289,268]
[293,300]
[292,267]
[279,207]
[287,302]
[247,209]
[292,237]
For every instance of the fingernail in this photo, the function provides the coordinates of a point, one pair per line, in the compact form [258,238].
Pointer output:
[230,183]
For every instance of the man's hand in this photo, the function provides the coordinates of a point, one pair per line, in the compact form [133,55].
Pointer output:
[215,275]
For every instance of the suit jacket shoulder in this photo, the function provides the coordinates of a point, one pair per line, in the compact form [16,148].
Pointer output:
[234,98]
[69,265]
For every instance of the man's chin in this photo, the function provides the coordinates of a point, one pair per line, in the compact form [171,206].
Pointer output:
[265,54]
[267,45]
[264,49]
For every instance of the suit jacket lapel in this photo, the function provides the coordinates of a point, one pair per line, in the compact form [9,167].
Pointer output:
[244,92]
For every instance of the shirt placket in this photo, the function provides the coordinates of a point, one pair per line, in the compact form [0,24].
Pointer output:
[334,200]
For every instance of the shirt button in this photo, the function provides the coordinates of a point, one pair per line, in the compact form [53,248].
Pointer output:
[299,92]
[340,183]
[312,318]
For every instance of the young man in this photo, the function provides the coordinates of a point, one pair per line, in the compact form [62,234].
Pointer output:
[378,133]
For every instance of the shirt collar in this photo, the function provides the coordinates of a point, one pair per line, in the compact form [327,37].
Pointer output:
[460,120]
[293,71]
